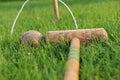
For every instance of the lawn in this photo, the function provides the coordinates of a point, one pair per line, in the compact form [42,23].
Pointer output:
[99,60]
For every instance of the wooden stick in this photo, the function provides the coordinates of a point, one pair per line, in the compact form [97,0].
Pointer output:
[55,4]
[72,72]
[83,35]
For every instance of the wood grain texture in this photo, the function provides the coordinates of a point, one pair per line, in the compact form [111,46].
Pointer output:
[56,10]
[82,34]
[72,70]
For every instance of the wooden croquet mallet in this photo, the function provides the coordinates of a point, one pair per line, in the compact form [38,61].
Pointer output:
[76,36]
[56,10]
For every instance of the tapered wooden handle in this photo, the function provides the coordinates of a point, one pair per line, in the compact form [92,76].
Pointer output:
[56,10]
[72,72]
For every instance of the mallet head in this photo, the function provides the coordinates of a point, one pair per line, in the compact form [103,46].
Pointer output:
[82,34]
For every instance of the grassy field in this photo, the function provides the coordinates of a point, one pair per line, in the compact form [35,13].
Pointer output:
[99,60]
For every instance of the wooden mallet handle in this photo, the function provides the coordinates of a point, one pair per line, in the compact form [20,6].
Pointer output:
[55,4]
[72,72]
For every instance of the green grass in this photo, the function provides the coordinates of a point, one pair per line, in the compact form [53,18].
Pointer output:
[99,60]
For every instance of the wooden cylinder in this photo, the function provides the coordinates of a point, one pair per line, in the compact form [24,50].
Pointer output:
[56,10]
[82,34]
[72,70]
